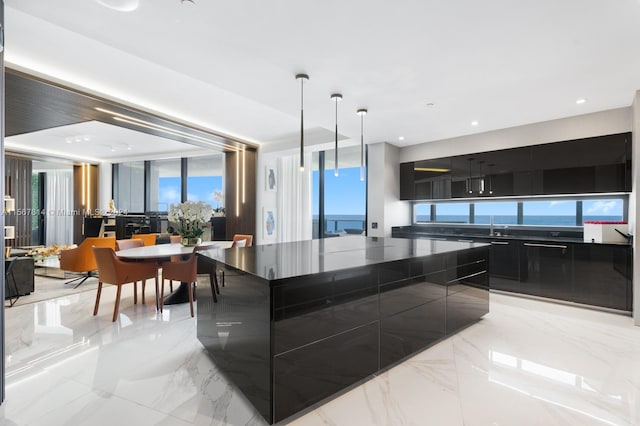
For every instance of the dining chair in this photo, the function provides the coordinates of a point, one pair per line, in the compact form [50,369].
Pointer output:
[246,237]
[175,239]
[207,267]
[149,239]
[128,244]
[112,270]
[182,270]
[81,259]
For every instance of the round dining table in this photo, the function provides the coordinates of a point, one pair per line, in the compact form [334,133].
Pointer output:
[163,252]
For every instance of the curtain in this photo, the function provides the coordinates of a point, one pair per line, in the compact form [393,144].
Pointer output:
[59,208]
[294,199]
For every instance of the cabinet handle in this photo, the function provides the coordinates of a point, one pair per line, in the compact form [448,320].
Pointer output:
[502,243]
[545,245]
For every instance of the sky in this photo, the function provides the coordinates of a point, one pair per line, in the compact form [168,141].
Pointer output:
[199,188]
[344,194]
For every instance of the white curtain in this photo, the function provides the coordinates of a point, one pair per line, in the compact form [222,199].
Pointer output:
[59,207]
[294,199]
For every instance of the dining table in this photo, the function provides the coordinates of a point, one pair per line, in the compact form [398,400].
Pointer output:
[163,252]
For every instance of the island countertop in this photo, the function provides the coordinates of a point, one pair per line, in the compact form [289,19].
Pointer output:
[299,258]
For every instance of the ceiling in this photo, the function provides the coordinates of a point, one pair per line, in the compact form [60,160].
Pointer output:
[229,65]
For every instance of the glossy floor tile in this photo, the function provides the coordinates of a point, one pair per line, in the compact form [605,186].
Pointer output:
[526,363]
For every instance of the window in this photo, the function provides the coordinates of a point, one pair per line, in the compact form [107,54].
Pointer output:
[612,209]
[129,190]
[204,180]
[345,195]
[498,213]
[555,212]
[165,185]
[452,212]
[422,212]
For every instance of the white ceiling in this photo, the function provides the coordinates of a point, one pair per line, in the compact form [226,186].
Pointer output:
[95,141]
[229,65]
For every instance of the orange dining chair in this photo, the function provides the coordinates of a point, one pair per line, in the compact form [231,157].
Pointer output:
[128,244]
[205,267]
[175,239]
[149,239]
[112,270]
[182,270]
[81,259]
[238,237]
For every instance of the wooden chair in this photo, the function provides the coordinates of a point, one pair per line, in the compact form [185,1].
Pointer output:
[181,270]
[128,244]
[148,239]
[81,258]
[112,270]
[247,238]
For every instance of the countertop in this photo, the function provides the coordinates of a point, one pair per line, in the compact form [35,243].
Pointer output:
[294,259]
[490,238]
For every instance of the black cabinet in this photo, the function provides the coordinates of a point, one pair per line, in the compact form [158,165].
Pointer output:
[592,165]
[603,275]
[504,269]
[423,180]
[549,270]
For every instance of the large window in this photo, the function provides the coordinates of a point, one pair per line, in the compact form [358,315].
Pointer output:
[166,184]
[204,180]
[452,213]
[498,213]
[556,212]
[532,212]
[129,189]
[612,209]
[345,195]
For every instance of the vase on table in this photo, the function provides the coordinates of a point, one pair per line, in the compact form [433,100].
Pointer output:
[191,242]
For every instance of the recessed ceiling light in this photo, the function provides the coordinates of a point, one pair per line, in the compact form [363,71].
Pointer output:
[120,5]
[581,101]
[400,138]
[474,123]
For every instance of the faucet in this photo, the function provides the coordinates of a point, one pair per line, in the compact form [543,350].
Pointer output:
[491,226]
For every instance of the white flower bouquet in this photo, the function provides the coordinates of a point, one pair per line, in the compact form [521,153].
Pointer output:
[191,216]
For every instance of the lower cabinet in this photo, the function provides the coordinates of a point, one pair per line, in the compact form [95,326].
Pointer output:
[548,271]
[602,275]
[590,274]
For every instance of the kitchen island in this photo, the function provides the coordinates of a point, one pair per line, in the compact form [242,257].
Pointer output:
[299,322]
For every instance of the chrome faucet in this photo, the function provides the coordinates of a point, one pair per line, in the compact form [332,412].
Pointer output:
[491,226]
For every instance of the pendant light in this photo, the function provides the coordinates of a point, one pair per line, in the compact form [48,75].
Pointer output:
[490,178]
[481,190]
[336,97]
[470,180]
[302,78]
[362,112]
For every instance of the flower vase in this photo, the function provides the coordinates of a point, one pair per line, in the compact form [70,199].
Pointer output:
[191,242]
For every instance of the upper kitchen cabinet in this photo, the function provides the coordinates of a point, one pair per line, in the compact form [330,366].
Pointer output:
[423,180]
[593,165]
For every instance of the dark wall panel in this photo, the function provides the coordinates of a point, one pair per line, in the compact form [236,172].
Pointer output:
[240,176]
[17,183]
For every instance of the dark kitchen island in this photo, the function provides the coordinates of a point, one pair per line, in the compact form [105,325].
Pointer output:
[298,322]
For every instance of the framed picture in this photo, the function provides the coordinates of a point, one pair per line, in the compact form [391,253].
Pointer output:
[269,220]
[271,178]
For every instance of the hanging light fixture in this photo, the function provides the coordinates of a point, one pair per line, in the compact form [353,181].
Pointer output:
[336,97]
[302,78]
[362,112]
[490,178]
[470,179]
[481,190]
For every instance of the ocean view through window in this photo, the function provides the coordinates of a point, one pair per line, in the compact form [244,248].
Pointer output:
[345,195]
[556,212]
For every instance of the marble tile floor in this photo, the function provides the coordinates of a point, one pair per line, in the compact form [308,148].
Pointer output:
[526,363]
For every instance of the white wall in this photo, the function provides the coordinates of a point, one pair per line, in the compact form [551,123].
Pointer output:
[580,126]
[104,186]
[383,191]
